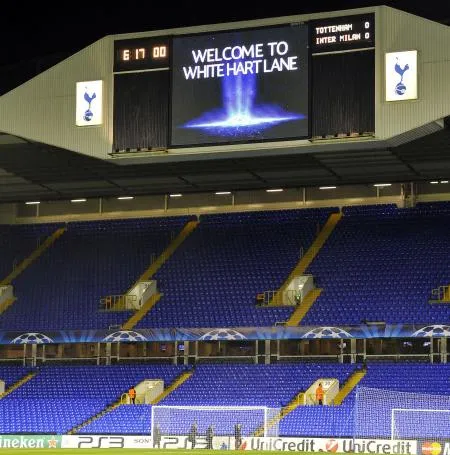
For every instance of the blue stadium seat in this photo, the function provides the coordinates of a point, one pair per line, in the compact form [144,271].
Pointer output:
[61,397]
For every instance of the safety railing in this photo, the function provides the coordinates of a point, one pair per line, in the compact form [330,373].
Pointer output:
[311,400]
[121,302]
[6,292]
[300,399]
[440,295]
[273,298]
[125,399]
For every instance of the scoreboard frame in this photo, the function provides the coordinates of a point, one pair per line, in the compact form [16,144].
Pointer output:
[144,61]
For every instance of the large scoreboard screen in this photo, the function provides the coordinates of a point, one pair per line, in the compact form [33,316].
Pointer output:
[238,86]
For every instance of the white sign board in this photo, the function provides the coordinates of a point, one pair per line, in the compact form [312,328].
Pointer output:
[89,103]
[401,76]
[332,445]
[281,444]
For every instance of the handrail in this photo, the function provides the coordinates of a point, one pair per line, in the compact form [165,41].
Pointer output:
[124,399]
[279,297]
[289,297]
[119,302]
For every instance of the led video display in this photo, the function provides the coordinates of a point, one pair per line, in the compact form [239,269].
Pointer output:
[240,86]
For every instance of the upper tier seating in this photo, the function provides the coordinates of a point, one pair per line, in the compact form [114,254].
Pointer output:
[380,264]
[225,385]
[18,241]
[213,279]
[62,290]
[377,259]
[60,397]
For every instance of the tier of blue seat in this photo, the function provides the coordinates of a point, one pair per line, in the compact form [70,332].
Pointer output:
[213,279]
[378,258]
[380,264]
[61,397]
[12,373]
[340,421]
[62,290]
[19,241]
[413,378]
[269,385]
[58,398]
[126,419]
[224,385]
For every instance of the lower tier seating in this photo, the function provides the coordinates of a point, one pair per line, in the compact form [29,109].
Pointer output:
[225,385]
[59,398]
[10,374]
[411,377]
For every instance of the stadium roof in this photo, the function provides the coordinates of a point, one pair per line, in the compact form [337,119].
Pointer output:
[30,170]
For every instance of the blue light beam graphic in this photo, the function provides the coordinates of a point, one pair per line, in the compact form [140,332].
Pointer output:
[240,115]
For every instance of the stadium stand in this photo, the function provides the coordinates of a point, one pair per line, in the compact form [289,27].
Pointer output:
[269,385]
[381,263]
[239,255]
[145,124]
[18,241]
[122,420]
[91,260]
[339,421]
[60,397]
[415,377]
[12,373]
[226,385]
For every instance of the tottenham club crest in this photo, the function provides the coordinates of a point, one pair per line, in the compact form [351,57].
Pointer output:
[88,98]
[400,88]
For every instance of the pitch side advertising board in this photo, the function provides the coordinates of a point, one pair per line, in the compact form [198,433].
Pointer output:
[332,445]
[281,444]
[433,447]
[32,441]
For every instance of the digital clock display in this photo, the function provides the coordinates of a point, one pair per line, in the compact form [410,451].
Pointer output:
[141,54]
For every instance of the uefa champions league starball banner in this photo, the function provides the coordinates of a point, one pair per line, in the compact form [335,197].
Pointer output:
[227,334]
